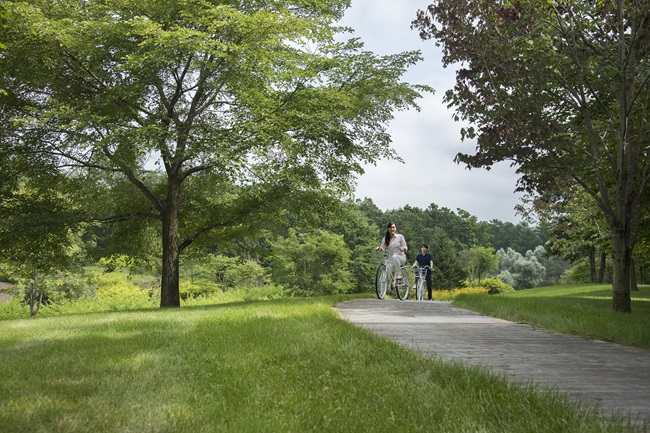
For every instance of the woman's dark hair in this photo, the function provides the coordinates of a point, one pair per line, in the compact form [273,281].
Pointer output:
[387,234]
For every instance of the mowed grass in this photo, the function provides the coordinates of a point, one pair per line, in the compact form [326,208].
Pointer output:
[583,310]
[288,365]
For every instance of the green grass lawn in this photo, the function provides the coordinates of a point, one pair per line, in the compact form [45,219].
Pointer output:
[287,365]
[584,310]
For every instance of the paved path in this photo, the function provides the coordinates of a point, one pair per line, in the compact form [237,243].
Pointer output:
[615,377]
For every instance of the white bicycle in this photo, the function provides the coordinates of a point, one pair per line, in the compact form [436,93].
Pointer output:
[386,277]
[420,279]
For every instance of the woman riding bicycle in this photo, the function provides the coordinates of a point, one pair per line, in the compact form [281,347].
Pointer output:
[396,245]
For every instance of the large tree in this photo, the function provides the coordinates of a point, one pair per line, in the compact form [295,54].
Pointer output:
[561,89]
[245,107]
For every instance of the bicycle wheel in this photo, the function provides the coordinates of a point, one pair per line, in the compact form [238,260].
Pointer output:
[403,285]
[380,281]
[419,289]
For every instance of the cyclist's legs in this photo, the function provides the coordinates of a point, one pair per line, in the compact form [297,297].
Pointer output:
[398,261]
[428,279]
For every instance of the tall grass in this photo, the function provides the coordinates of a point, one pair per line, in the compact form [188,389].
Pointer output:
[583,310]
[286,365]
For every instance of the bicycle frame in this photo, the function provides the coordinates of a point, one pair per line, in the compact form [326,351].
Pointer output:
[420,278]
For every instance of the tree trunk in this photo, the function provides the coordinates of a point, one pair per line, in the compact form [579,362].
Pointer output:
[592,265]
[603,263]
[624,220]
[633,284]
[32,302]
[169,288]
[33,310]
[622,263]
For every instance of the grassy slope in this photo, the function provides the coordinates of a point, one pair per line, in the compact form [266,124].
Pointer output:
[584,310]
[278,366]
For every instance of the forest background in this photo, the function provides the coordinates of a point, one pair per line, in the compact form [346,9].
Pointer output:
[332,253]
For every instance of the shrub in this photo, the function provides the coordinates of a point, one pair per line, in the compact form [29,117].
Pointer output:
[249,273]
[311,264]
[519,271]
[494,286]
[449,295]
[13,309]
[67,286]
[189,290]
[116,293]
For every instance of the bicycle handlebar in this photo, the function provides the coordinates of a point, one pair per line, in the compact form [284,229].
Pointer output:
[386,250]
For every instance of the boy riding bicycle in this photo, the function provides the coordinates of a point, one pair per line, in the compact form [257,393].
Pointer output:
[424,258]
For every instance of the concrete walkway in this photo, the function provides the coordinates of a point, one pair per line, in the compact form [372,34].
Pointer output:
[614,377]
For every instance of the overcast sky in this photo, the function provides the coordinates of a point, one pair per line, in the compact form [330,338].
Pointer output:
[427,140]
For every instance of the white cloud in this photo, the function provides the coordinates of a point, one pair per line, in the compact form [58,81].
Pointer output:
[428,140]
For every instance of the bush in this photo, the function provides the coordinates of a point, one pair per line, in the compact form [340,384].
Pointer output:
[249,273]
[13,309]
[519,271]
[311,264]
[190,290]
[494,286]
[450,295]
[116,293]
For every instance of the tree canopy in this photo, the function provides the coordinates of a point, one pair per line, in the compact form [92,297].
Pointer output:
[206,117]
[561,89]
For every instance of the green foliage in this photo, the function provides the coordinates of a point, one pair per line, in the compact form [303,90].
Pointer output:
[520,237]
[36,227]
[15,308]
[249,274]
[120,262]
[216,266]
[494,286]
[578,274]
[190,290]
[521,272]
[46,289]
[228,272]
[448,272]
[479,261]
[116,293]
[547,87]
[581,273]
[360,236]
[40,232]
[312,263]
[451,294]
[244,110]
[555,266]
[64,286]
